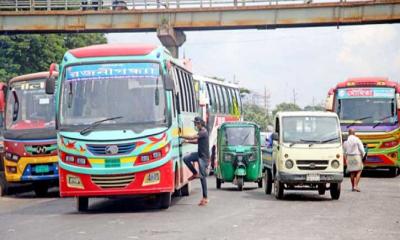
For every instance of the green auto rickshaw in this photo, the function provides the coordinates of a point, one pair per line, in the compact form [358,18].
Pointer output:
[239,154]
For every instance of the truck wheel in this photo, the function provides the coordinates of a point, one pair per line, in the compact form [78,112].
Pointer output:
[334,188]
[268,182]
[240,183]
[278,185]
[165,200]
[218,183]
[321,188]
[82,204]
[40,189]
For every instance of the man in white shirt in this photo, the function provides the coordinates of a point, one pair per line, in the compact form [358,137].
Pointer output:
[354,152]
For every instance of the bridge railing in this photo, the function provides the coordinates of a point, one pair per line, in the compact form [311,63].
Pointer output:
[93,5]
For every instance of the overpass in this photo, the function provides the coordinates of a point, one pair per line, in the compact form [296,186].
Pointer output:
[171,17]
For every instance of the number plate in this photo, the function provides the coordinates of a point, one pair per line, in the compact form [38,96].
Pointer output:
[42,169]
[314,177]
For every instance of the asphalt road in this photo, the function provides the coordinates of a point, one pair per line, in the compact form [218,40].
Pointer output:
[372,214]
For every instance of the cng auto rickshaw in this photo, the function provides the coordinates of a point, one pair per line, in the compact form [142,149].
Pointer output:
[239,154]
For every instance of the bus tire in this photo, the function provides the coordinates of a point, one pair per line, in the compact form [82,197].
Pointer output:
[278,189]
[40,189]
[218,183]
[3,187]
[82,204]
[268,182]
[165,200]
[334,188]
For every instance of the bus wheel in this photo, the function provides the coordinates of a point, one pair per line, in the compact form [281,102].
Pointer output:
[218,183]
[40,189]
[278,189]
[334,188]
[165,200]
[3,187]
[321,188]
[82,204]
[268,182]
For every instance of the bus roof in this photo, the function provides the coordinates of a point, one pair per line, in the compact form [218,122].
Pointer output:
[32,76]
[367,82]
[211,80]
[306,114]
[110,50]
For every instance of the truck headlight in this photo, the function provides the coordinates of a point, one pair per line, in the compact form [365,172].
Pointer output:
[289,164]
[335,164]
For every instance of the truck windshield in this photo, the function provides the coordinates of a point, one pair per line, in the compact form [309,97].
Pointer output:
[305,129]
[240,136]
[29,107]
[132,91]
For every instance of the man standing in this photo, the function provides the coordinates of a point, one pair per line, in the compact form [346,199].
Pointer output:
[201,156]
[354,152]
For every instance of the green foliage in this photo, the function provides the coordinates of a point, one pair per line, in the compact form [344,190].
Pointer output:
[256,114]
[314,108]
[286,107]
[23,54]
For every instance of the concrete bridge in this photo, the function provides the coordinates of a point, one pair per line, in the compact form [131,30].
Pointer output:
[171,17]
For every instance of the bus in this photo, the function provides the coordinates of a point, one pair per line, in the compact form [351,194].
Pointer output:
[219,102]
[3,183]
[371,106]
[30,146]
[120,112]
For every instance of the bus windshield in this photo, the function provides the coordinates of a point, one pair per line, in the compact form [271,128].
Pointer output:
[307,129]
[29,107]
[128,93]
[240,136]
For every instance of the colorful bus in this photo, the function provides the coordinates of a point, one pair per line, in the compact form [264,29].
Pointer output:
[220,102]
[120,112]
[3,183]
[30,144]
[371,106]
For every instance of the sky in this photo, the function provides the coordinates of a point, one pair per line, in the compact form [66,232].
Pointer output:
[309,60]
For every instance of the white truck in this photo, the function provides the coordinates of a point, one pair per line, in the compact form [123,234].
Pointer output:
[304,153]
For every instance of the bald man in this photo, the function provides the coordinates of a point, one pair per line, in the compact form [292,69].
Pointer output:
[354,152]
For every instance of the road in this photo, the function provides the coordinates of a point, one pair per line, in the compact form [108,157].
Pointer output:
[372,214]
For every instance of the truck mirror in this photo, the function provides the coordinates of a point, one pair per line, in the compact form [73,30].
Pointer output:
[50,85]
[275,137]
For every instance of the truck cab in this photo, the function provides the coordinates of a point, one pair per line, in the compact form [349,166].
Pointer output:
[305,153]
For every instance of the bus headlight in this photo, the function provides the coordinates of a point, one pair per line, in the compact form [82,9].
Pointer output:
[289,164]
[335,164]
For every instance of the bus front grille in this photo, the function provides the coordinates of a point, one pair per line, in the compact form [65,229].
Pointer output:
[100,149]
[113,181]
[312,164]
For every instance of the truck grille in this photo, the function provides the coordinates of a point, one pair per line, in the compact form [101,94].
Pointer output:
[312,164]
[124,148]
[113,181]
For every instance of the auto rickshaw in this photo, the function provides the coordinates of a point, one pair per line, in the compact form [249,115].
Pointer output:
[238,154]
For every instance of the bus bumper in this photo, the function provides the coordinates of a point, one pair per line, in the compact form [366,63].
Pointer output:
[375,161]
[27,169]
[153,181]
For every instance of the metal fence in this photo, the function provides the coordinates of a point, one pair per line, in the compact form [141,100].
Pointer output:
[93,5]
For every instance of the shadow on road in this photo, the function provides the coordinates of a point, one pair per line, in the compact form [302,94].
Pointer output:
[378,173]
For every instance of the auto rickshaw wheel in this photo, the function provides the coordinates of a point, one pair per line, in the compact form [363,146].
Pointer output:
[260,183]
[240,183]
[278,188]
[268,182]
[218,183]
[321,188]
[334,188]
[82,204]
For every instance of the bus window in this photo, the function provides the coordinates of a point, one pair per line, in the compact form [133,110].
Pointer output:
[195,98]
[229,99]
[219,100]
[221,97]
[210,96]
[187,92]
[224,94]
[181,91]
[191,93]
[239,100]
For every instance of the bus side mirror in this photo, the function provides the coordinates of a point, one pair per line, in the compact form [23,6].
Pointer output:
[169,83]
[398,101]
[50,85]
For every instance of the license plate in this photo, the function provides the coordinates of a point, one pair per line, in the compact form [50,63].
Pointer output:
[42,169]
[313,177]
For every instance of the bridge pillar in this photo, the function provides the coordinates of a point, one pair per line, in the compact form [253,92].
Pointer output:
[171,38]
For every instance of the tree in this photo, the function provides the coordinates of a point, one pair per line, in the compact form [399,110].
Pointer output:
[23,54]
[285,107]
[256,114]
[314,108]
